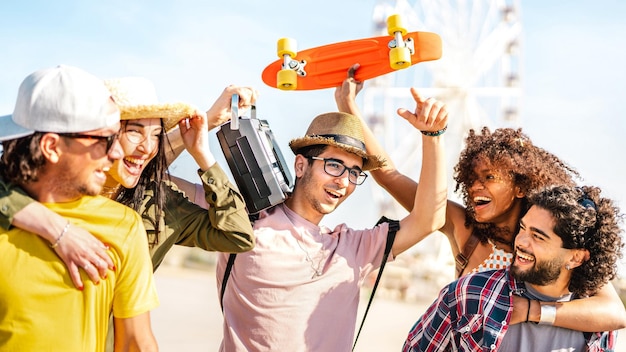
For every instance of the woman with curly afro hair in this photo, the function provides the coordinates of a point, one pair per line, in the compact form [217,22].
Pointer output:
[495,174]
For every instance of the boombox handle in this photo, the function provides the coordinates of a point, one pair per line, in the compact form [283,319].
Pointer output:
[234,108]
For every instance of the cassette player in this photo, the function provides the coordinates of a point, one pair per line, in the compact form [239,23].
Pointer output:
[254,159]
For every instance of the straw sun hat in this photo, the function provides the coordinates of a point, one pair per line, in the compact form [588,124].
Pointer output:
[137,99]
[340,130]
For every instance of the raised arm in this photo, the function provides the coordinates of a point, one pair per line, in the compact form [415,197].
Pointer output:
[75,246]
[426,202]
[401,187]
[220,222]
[428,213]
[218,114]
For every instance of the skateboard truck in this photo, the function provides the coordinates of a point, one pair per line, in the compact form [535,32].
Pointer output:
[401,51]
[287,78]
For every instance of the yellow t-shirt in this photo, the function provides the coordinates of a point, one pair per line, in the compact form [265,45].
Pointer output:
[41,310]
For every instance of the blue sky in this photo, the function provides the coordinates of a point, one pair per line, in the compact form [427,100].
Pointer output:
[572,79]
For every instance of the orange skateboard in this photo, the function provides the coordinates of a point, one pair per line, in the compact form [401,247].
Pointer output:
[327,66]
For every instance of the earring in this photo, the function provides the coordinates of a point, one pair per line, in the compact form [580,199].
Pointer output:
[567,266]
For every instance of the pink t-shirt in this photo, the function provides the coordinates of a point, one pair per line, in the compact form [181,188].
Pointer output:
[298,289]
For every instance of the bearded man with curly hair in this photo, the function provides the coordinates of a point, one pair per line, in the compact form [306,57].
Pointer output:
[568,247]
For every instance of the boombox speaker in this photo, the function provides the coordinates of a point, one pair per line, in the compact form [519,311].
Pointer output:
[254,159]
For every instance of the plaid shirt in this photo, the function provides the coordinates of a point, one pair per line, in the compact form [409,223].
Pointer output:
[472,314]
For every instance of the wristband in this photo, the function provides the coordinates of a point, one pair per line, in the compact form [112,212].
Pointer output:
[56,243]
[548,314]
[434,133]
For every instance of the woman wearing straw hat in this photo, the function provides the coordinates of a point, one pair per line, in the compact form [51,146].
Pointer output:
[140,180]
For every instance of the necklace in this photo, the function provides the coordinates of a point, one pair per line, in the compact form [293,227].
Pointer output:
[317,272]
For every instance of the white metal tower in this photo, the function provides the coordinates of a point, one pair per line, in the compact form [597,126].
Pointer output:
[478,77]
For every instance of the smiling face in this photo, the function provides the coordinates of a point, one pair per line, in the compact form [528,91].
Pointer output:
[493,196]
[140,142]
[318,193]
[539,254]
[84,163]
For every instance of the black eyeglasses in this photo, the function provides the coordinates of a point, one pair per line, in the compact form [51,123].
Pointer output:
[336,168]
[109,139]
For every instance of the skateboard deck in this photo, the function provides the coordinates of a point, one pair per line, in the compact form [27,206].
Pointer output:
[327,66]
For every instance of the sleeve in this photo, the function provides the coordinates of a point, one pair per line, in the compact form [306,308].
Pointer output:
[432,332]
[223,227]
[135,289]
[12,200]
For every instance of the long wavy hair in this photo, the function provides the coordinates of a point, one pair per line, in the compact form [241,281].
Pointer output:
[585,220]
[513,153]
[152,178]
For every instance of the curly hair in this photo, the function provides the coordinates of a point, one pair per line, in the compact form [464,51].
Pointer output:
[152,177]
[22,159]
[585,220]
[512,152]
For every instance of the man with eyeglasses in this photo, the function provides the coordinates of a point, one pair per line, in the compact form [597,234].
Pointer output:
[57,146]
[298,289]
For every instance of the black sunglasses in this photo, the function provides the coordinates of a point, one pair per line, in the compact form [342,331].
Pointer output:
[109,139]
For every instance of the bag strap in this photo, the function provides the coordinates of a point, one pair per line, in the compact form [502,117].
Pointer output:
[230,263]
[462,258]
[394,226]
[229,267]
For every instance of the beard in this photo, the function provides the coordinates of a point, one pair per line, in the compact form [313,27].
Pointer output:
[542,273]
[74,184]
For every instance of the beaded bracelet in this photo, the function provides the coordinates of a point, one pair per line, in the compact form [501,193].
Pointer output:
[434,133]
[56,243]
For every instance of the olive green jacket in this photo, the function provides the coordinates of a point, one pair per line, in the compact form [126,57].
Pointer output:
[224,227]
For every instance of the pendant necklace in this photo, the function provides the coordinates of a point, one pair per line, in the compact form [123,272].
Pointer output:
[316,270]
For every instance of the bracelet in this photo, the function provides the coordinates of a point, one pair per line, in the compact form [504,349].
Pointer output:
[528,311]
[434,133]
[56,243]
[548,314]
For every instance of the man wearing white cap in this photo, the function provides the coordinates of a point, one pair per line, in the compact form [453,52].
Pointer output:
[57,145]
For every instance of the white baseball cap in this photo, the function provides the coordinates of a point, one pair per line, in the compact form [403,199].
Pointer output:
[63,99]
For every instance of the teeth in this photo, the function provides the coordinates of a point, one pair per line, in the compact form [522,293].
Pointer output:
[135,160]
[334,193]
[525,256]
[482,199]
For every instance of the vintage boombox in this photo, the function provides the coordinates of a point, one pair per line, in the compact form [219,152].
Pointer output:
[254,159]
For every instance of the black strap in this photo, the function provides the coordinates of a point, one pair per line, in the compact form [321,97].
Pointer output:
[462,258]
[394,226]
[229,267]
[231,262]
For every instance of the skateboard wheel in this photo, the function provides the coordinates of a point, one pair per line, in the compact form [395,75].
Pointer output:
[399,58]
[286,46]
[394,24]
[287,80]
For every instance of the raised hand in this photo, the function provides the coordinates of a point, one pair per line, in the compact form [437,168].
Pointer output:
[220,112]
[430,114]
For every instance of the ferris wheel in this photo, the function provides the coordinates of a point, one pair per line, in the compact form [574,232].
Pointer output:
[478,77]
